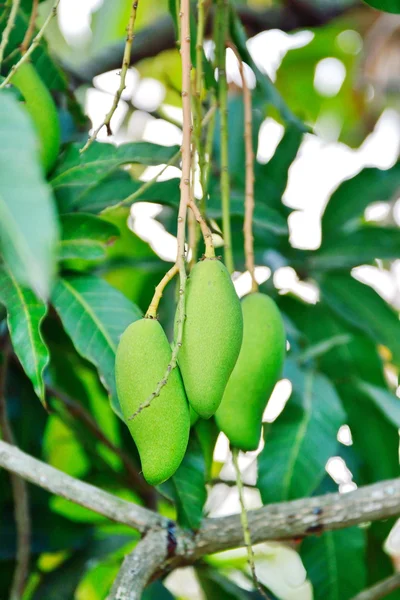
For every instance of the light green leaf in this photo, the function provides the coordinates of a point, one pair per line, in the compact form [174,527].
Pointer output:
[25,313]
[85,236]
[28,225]
[335,563]
[94,315]
[301,440]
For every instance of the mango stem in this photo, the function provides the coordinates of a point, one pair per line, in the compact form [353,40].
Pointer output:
[153,306]
[205,230]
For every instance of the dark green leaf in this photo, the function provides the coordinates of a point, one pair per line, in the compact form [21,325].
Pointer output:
[95,315]
[301,440]
[360,247]
[363,308]
[385,401]
[25,314]
[157,591]
[348,202]
[28,226]
[335,563]
[85,236]
[215,585]
[77,174]
[390,6]
[190,486]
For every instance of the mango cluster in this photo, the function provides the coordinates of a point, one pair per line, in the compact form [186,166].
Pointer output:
[231,357]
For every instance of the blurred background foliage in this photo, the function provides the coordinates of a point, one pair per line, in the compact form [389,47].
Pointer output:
[325,78]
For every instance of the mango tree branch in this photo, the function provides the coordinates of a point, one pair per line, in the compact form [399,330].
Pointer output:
[381,589]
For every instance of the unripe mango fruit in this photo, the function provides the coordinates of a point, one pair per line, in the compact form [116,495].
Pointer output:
[43,112]
[160,431]
[212,335]
[256,372]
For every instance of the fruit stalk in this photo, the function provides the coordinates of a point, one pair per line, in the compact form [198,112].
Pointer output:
[122,85]
[31,26]
[205,230]
[153,307]
[35,43]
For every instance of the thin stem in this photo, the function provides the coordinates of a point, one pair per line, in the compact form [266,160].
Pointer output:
[8,28]
[184,200]
[35,43]
[198,81]
[205,175]
[31,27]
[222,19]
[245,523]
[381,589]
[153,307]
[249,188]
[207,235]
[122,85]
[193,233]
[20,495]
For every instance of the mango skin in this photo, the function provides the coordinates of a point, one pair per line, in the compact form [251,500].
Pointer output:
[256,372]
[212,335]
[43,112]
[161,431]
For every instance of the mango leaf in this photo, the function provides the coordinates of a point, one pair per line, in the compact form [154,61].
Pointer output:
[385,401]
[390,6]
[360,247]
[28,225]
[77,174]
[348,202]
[363,308]
[157,591]
[94,315]
[119,185]
[215,585]
[25,313]
[335,563]
[301,440]
[85,236]
[190,486]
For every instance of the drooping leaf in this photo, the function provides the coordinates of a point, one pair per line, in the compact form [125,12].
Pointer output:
[190,486]
[360,247]
[77,174]
[85,236]
[95,315]
[28,225]
[25,313]
[363,308]
[335,563]
[301,440]
[349,201]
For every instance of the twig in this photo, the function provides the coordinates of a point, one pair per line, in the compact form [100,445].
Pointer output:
[380,589]
[84,494]
[207,235]
[8,28]
[77,410]
[249,162]
[124,69]
[35,43]
[245,524]
[208,154]
[153,307]
[184,200]
[139,566]
[220,42]
[20,495]
[31,27]
[193,233]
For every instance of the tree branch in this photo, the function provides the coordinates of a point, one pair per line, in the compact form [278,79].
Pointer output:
[381,589]
[139,566]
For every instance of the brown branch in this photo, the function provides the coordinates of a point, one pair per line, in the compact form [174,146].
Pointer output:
[31,27]
[20,495]
[380,589]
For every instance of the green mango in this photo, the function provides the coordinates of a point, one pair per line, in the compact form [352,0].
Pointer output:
[256,372]
[212,335]
[160,431]
[43,112]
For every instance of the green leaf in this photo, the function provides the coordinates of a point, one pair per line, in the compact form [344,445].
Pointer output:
[95,315]
[385,401]
[335,563]
[301,440]
[360,247]
[363,308]
[25,314]
[28,225]
[157,591]
[390,6]
[78,174]
[215,585]
[85,236]
[190,486]
[348,202]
